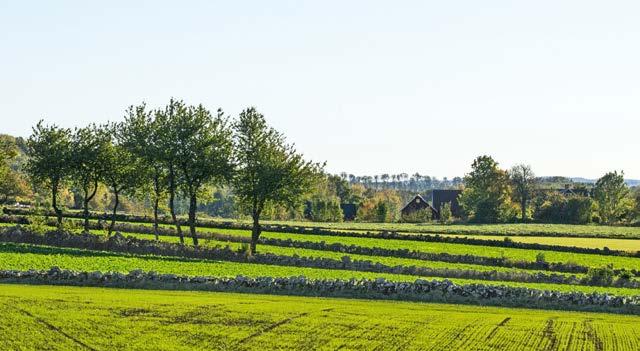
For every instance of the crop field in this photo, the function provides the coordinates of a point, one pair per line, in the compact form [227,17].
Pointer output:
[590,260]
[631,245]
[528,229]
[66,318]
[391,261]
[232,321]
[24,257]
[459,249]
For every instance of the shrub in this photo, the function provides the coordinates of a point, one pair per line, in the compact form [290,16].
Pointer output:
[601,276]
[445,213]
[420,216]
[578,210]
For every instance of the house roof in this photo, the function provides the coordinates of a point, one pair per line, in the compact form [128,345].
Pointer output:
[414,198]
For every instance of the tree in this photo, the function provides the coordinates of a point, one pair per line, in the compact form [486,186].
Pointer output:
[204,155]
[13,185]
[611,193]
[8,150]
[88,149]
[169,149]
[122,171]
[486,197]
[270,171]
[445,213]
[140,135]
[523,183]
[49,151]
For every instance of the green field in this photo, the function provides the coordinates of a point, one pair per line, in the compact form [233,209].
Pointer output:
[62,318]
[68,318]
[589,260]
[25,257]
[631,245]
[496,229]
[389,261]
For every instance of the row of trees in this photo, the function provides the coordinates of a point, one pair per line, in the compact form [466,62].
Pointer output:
[403,181]
[492,194]
[178,150]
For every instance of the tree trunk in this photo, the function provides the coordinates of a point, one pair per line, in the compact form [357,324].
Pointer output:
[156,200]
[54,203]
[86,215]
[115,209]
[155,218]
[255,233]
[523,205]
[193,204]
[88,198]
[172,195]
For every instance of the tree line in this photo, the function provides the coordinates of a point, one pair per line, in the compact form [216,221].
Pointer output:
[176,150]
[402,181]
[493,195]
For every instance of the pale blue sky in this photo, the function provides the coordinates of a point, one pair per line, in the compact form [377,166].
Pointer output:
[368,86]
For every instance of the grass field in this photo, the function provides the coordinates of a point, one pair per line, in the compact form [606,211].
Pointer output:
[68,318]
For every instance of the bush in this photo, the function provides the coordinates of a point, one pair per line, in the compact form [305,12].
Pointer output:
[324,209]
[445,213]
[420,216]
[578,210]
[601,276]
[560,209]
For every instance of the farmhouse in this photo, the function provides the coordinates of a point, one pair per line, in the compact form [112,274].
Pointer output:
[440,197]
[416,204]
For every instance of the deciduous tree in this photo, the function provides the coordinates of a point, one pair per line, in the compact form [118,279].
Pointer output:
[169,149]
[523,183]
[49,151]
[140,134]
[121,170]
[269,169]
[87,164]
[204,155]
[611,194]
[486,197]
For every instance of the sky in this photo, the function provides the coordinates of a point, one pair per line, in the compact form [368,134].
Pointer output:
[370,87]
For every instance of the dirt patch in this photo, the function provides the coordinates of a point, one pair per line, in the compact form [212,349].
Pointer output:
[550,334]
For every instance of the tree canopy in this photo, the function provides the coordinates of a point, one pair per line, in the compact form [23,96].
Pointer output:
[49,163]
[270,171]
[611,194]
[486,196]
